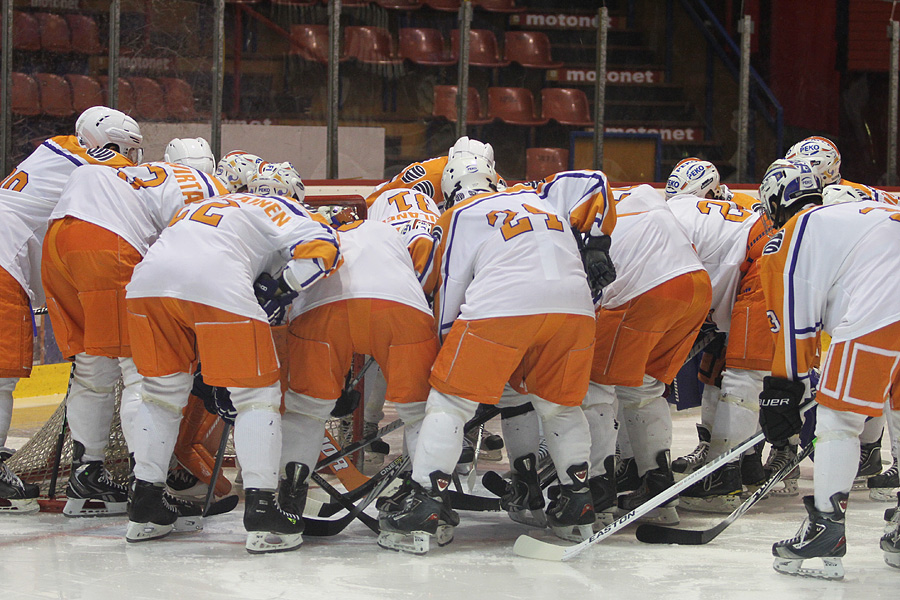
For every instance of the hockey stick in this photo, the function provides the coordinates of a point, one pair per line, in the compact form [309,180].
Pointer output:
[530,547]
[365,441]
[656,534]
[217,468]
[368,521]
[324,528]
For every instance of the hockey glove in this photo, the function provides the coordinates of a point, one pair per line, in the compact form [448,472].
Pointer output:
[597,264]
[216,400]
[779,408]
[274,296]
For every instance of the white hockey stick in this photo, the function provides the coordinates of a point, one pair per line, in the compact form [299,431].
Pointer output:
[530,547]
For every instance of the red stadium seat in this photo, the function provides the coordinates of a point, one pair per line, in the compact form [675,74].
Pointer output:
[85,35]
[56,95]
[529,49]
[55,36]
[514,106]
[566,106]
[149,101]
[126,94]
[86,92]
[483,48]
[313,43]
[26,95]
[179,98]
[424,46]
[443,5]
[371,45]
[541,162]
[445,105]
[505,6]
[26,32]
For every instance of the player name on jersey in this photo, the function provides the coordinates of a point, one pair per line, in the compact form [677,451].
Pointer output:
[558,20]
[577,75]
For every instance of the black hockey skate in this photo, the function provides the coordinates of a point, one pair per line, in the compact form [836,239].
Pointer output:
[869,464]
[890,541]
[753,475]
[603,495]
[294,488]
[718,492]
[570,513]
[150,515]
[653,482]
[778,457]
[520,496]
[16,495]
[688,463]
[627,478]
[91,491]
[269,528]
[883,487]
[820,536]
[184,484]
[419,516]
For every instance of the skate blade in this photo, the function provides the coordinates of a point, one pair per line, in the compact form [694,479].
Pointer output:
[22,507]
[789,487]
[532,518]
[573,533]
[892,559]
[883,494]
[188,524]
[832,568]
[415,542]
[84,507]
[265,542]
[713,504]
[663,515]
[142,532]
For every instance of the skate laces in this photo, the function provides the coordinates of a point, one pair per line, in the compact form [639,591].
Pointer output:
[181,476]
[779,458]
[7,476]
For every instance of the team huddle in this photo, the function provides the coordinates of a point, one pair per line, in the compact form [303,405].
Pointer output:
[568,303]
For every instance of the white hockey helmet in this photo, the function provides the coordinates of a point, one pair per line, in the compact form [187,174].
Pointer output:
[466,176]
[277,179]
[822,155]
[236,168]
[191,152]
[465,146]
[104,127]
[838,194]
[787,187]
[693,176]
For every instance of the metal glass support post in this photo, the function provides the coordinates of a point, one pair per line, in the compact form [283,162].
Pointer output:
[894,35]
[218,83]
[332,89]
[746,29]
[115,39]
[6,89]
[462,83]
[600,85]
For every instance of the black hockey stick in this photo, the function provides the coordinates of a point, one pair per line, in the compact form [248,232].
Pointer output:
[657,534]
[362,443]
[217,468]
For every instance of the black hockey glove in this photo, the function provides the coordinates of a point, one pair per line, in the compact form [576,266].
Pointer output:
[779,408]
[274,296]
[216,400]
[597,264]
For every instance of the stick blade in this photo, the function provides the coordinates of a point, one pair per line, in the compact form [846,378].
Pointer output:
[656,534]
[529,547]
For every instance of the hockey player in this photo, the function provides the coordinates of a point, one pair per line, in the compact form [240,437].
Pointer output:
[104,223]
[373,305]
[511,305]
[192,298]
[845,297]
[27,197]
[235,169]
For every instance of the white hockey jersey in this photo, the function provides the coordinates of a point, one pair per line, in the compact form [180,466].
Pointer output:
[505,254]
[582,198]
[214,250]
[136,203]
[412,214]
[28,196]
[648,245]
[826,271]
[376,265]
[719,231]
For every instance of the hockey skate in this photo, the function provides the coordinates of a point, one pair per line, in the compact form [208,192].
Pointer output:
[820,536]
[491,448]
[689,463]
[627,478]
[269,528]
[16,495]
[653,482]
[890,541]
[883,487]
[753,475]
[418,517]
[184,484]
[293,490]
[150,516]
[91,490]
[570,513]
[520,496]
[778,457]
[603,495]
[718,492]
[869,464]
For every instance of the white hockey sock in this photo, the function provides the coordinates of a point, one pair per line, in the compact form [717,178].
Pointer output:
[412,414]
[131,398]
[709,403]
[156,422]
[623,442]
[648,420]
[837,453]
[892,417]
[440,438]
[7,385]
[872,430]
[303,428]
[735,422]
[519,424]
[90,406]
[257,434]
[567,433]
[600,409]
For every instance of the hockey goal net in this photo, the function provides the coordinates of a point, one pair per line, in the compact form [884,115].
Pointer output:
[36,461]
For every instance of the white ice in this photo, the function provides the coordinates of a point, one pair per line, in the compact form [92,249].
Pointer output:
[51,556]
